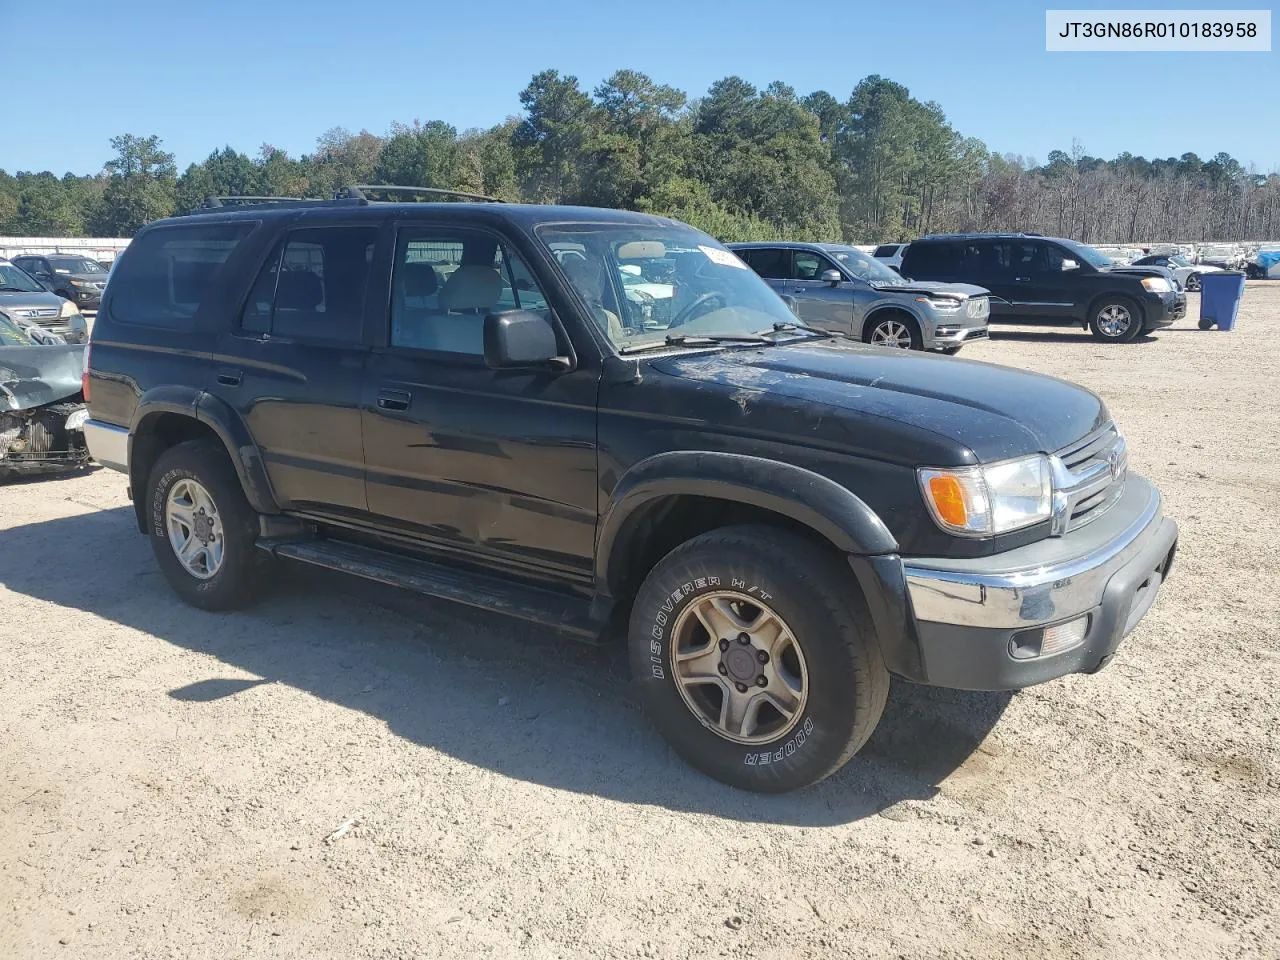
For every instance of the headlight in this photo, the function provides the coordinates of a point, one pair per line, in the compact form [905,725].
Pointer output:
[1157,285]
[997,498]
[68,310]
[941,304]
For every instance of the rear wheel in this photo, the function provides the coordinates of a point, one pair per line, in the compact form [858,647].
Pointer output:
[753,660]
[202,528]
[1115,320]
[893,330]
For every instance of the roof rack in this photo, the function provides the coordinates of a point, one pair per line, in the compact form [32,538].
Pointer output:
[236,201]
[361,191]
[1006,234]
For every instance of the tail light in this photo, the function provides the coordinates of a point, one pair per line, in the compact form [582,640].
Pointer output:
[84,377]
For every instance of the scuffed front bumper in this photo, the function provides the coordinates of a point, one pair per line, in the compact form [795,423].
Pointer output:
[971,616]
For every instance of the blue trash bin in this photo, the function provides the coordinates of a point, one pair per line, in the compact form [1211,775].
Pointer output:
[1220,296]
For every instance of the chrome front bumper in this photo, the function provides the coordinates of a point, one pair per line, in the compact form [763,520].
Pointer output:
[108,444]
[969,612]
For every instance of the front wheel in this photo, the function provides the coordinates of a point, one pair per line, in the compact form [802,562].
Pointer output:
[202,527]
[1193,283]
[756,659]
[894,330]
[1115,320]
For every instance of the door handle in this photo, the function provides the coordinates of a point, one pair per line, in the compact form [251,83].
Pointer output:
[230,378]
[1023,279]
[394,400]
[797,290]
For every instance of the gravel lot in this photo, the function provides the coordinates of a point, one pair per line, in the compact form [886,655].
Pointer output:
[171,777]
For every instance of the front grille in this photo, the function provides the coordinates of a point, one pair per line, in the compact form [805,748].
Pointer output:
[1089,477]
[977,307]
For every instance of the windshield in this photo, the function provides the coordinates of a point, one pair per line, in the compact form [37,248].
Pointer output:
[11,335]
[862,266]
[76,265]
[647,283]
[1180,261]
[13,279]
[1095,258]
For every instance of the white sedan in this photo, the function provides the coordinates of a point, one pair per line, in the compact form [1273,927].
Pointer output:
[1188,273]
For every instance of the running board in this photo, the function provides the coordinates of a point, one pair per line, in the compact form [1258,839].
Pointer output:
[546,607]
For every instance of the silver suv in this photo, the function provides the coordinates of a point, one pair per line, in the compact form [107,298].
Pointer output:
[838,287]
[28,303]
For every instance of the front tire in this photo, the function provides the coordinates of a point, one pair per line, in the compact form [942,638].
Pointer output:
[756,659]
[893,330]
[202,528]
[1193,283]
[1115,320]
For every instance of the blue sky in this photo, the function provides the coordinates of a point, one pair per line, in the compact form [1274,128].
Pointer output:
[203,74]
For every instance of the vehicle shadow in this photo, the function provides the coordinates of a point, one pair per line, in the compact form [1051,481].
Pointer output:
[1061,335]
[488,690]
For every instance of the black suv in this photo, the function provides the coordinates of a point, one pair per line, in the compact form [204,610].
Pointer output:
[1035,279]
[74,278]
[469,400]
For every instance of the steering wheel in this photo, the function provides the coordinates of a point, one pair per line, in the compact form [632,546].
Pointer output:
[696,308]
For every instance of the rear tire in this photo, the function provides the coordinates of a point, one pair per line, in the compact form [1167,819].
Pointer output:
[809,671]
[194,497]
[1115,320]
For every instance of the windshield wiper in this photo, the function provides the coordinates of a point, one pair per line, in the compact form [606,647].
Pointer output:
[697,339]
[783,326]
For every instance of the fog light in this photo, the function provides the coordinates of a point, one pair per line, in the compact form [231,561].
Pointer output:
[947,330]
[1046,641]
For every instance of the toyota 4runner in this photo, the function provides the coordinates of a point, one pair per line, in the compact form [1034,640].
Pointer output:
[461,398]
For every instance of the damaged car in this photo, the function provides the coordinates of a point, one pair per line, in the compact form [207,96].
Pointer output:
[42,413]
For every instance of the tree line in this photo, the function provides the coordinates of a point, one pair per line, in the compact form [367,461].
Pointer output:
[741,163]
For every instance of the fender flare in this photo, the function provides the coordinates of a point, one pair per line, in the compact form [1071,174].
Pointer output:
[829,509]
[223,420]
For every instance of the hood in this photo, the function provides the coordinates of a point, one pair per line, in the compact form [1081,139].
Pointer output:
[979,411]
[962,290]
[31,376]
[14,302]
[1144,271]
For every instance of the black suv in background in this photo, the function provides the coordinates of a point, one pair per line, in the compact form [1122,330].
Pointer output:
[470,400]
[75,278]
[1035,279]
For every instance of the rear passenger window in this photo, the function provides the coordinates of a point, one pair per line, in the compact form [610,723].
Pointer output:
[313,286]
[772,264]
[170,270]
[886,250]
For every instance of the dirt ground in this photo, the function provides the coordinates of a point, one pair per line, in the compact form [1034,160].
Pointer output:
[340,773]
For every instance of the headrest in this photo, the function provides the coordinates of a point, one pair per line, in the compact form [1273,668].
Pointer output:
[419,279]
[471,287]
[299,290]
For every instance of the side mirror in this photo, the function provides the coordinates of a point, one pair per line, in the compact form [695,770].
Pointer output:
[1070,265]
[832,277]
[521,339]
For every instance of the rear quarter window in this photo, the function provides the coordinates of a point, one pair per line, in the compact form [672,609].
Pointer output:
[886,250]
[170,270]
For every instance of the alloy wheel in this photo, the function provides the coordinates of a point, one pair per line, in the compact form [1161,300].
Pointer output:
[739,668]
[195,528]
[892,333]
[1114,320]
